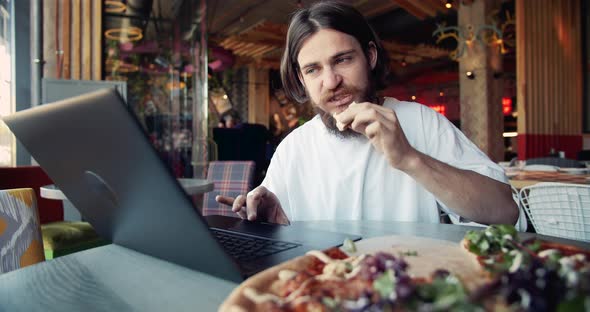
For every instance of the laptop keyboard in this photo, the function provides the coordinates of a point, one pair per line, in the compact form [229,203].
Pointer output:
[245,248]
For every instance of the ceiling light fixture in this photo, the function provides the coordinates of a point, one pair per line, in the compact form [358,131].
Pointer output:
[124,34]
[470,75]
[449,4]
[112,6]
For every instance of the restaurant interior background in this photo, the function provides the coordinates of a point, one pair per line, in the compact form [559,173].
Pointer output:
[202,76]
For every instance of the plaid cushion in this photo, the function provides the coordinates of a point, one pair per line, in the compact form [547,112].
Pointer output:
[231,178]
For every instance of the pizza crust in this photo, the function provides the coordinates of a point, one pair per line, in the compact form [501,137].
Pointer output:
[474,259]
[266,281]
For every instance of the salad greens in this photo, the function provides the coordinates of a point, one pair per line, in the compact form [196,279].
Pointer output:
[492,240]
[349,245]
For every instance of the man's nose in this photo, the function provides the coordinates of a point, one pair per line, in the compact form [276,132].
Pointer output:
[332,79]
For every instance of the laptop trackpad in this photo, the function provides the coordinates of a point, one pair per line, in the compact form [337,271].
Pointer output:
[258,228]
[295,233]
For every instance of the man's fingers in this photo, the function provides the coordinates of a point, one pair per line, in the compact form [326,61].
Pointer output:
[373,130]
[252,203]
[344,118]
[234,203]
[238,203]
[226,200]
[367,112]
[341,126]
[368,117]
[238,206]
[242,213]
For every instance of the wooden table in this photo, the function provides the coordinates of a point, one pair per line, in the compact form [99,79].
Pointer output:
[528,178]
[114,278]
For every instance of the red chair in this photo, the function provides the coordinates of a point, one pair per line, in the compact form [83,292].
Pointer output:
[33,177]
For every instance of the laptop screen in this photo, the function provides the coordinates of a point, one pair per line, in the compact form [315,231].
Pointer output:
[96,152]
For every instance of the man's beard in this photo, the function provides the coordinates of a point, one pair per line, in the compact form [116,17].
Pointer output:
[368,95]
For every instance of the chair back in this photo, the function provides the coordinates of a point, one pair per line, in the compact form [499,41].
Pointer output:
[522,224]
[231,178]
[20,231]
[558,209]
[33,177]
[555,161]
[246,142]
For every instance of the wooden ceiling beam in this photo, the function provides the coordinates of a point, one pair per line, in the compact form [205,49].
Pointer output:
[384,8]
[265,35]
[437,5]
[243,49]
[238,46]
[253,40]
[238,20]
[275,28]
[257,50]
[425,7]
[268,50]
[256,38]
[259,62]
[410,8]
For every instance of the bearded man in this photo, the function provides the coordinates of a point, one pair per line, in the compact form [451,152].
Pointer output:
[362,157]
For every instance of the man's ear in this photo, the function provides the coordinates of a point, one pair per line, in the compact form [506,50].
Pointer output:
[372,54]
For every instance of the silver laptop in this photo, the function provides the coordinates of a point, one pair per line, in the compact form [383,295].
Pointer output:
[97,153]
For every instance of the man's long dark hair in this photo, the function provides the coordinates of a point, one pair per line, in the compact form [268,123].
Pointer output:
[328,15]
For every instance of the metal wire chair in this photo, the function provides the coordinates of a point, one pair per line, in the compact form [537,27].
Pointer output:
[558,209]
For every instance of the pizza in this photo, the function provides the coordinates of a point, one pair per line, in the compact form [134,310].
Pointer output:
[529,275]
[490,270]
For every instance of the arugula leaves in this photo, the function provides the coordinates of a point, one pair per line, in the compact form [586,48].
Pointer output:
[444,294]
[491,240]
[349,245]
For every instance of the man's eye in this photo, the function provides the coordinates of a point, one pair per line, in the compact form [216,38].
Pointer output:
[343,59]
[310,71]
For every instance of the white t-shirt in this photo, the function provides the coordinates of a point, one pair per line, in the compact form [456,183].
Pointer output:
[318,176]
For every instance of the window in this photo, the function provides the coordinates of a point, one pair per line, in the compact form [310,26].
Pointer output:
[6,138]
